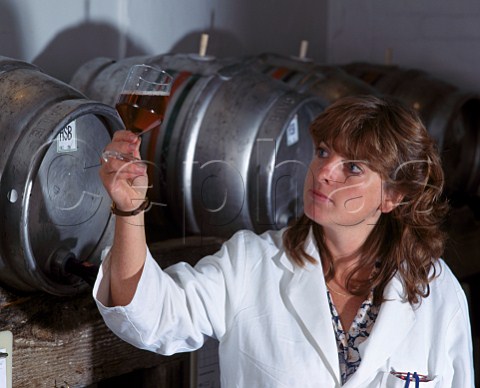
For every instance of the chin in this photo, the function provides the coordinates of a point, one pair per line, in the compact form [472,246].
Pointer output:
[315,214]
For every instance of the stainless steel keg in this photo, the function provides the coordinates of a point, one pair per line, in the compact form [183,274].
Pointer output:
[53,203]
[233,150]
[328,83]
[102,78]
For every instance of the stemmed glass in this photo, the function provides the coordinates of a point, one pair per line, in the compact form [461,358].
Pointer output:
[142,103]
[141,106]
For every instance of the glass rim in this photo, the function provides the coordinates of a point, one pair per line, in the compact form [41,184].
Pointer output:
[140,65]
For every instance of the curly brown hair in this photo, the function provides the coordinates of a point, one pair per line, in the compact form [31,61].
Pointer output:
[407,240]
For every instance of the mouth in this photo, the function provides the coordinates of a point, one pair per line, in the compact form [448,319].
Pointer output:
[320,197]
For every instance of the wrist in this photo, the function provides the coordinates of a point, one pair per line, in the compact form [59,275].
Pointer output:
[145,205]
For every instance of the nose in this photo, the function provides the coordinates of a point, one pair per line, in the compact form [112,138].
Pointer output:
[329,170]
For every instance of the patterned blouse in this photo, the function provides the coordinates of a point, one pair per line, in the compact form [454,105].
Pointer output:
[348,342]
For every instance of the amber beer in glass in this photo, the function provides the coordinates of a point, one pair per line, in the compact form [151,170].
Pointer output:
[142,111]
[142,102]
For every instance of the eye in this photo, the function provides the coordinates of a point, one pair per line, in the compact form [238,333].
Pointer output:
[321,152]
[354,168]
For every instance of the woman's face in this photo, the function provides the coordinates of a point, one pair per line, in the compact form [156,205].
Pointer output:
[342,192]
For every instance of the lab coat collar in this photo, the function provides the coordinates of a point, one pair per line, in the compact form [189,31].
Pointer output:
[301,286]
[310,248]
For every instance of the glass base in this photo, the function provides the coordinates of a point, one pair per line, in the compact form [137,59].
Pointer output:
[119,156]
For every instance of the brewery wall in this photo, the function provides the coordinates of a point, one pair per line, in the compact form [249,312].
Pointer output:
[58,35]
[440,36]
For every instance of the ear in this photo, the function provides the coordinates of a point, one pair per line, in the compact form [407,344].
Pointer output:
[390,200]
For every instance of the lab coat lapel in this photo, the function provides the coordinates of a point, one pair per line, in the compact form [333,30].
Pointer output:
[300,289]
[393,323]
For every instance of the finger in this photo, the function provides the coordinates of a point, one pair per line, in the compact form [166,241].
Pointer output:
[124,170]
[125,142]
[120,185]
[125,136]
[121,148]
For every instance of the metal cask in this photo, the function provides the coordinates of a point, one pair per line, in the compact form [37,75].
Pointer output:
[53,203]
[233,150]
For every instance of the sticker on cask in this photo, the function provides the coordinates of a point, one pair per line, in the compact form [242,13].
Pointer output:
[67,138]
[6,348]
[292,131]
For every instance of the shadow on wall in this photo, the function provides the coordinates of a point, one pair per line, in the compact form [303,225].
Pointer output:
[76,45]
[10,36]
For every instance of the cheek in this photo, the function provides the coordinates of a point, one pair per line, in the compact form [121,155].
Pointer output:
[309,181]
[354,204]
[356,198]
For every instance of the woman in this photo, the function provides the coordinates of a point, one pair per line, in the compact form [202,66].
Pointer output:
[353,294]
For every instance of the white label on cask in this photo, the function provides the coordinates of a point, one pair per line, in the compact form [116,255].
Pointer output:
[67,138]
[3,367]
[292,131]
[6,345]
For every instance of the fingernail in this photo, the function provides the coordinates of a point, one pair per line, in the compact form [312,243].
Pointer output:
[132,137]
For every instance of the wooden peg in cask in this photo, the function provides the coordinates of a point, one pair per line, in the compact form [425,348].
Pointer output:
[203,45]
[303,49]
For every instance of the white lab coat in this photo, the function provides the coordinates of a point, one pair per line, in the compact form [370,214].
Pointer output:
[274,326]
